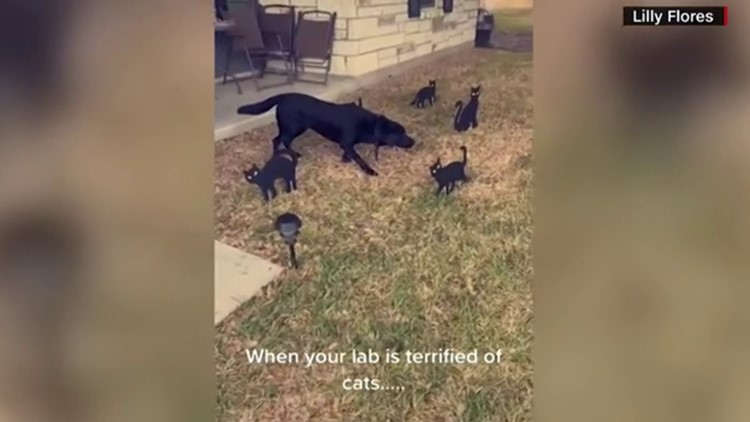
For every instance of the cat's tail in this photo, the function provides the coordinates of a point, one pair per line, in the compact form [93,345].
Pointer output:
[263,106]
[414,101]
[465,159]
[459,107]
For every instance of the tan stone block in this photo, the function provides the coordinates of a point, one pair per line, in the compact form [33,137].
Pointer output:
[346,47]
[380,42]
[407,56]
[381,10]
[424,48]
[417,37]
[343,8]
[385,2]
[387,61]
[409,27]
[342,23]
[425,25]
[387,52]
[340,34]
[301,3]
[363,28]
[402,17]
[338,65]
[440,45]
[386,20]
[363,63]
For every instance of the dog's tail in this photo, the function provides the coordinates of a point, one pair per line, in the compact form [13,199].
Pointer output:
[459,107]
[261,107]
[465,159]
[414,101]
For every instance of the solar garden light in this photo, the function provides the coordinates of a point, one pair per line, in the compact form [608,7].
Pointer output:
[288,226]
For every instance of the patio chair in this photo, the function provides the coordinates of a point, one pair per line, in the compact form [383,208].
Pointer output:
[246,36]
[277,29]
[313,43]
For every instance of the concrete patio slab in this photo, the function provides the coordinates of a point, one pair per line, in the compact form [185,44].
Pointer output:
[238,276]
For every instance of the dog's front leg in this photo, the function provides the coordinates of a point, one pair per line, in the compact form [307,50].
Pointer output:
[351,152]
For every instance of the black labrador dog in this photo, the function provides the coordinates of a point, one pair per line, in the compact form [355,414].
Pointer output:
[346,124]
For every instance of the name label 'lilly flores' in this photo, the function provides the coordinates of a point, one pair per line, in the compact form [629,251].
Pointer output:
[688,16]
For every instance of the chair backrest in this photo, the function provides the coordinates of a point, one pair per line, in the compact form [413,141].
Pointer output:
[314,35]
[277,26]
[245,18]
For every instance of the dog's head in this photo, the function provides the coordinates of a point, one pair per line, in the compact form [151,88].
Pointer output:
[435,167]
[388,132]
[251,174]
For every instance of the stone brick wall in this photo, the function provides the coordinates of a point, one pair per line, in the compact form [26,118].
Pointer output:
[373,34]
[507,4]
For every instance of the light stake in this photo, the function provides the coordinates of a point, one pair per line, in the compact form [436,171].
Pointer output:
[288,226]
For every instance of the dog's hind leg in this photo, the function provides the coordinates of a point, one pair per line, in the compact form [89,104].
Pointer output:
[345,158]
[276,143]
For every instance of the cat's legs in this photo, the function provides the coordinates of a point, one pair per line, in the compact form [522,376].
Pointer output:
[345,158]
[474,123]
[288,186]
[272,193]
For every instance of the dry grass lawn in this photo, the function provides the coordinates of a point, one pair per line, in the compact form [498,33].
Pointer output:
[513,20]
[387,265]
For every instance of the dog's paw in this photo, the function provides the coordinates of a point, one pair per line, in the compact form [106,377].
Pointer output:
[371,172]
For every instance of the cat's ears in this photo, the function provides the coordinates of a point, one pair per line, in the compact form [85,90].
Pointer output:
[476,88]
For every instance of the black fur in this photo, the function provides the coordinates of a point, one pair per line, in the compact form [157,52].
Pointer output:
[278,167]
[466,116]
[346,124]
[427,94]
[447,177]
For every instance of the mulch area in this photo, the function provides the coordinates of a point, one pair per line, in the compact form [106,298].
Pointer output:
[522,42]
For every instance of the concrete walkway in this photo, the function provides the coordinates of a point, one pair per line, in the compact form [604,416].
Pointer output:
[238,276]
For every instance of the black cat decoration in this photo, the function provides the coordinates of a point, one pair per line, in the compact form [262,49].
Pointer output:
[447,176]
[278,167]
[425,95]
[466,116]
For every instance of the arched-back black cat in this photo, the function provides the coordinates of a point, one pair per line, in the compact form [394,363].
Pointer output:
[426,94]
[447,176]
[466,116]
[278,167]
